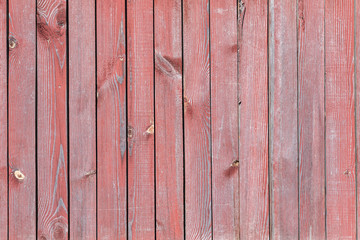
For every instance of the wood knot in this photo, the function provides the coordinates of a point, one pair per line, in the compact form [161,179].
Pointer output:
[12,43]
[187,105]
[59,232]
[89,173]
[235,163]
[150,130]
[19,175]
[131,131]
[347,172]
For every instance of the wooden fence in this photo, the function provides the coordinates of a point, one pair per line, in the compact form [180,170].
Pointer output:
[179,119]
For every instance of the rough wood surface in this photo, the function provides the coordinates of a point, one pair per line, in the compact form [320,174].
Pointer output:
[21,84]
[141,179]
[311,125]
[198,202]
[3,121]
[168,118]
[283,139]
[111,119]
[224,123]
[357,104]
[340,120]
[82,116]
[253,120]
[52,120]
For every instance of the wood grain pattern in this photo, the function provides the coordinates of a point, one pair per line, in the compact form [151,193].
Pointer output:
[253,119]
[340,124]
[3,121]
[357,104]
[168,118]
[311,125]
[283,120]
[52,120]
[141,195]
[22,72]
[198,202]
[82,116]
[224,123]
[111,119]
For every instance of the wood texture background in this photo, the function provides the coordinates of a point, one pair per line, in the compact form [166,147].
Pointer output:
[184,119]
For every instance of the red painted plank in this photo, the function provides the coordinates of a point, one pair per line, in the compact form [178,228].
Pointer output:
[22,61]
[283,148]
[3,121]
[340,125]
[253,119]
[197,119]
[168,117]
[52,120]
[141,202]
[357,104]
[224,123]
[111,119]
[82,128]
[311,124]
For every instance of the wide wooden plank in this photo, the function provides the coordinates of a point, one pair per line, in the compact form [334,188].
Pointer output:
[22,98]
[340,120]
[3,121]
[111,119]
[253,120]
[198,202]
[224,122]
[311,124]
[169,120]
[283,144]
[82,116]
[52,120]
[141,180]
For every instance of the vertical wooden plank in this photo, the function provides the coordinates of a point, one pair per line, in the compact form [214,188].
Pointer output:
[82,127]
[141,202]
[253,114]
[169,120]
[52,120]
[357,104]
[311,124]
[22,72]
[224,122]
[111,119]
[283,148]
[3,121]
[197,119]
[340,124]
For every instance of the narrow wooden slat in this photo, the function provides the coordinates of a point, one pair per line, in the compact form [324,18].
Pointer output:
[169,119]
[141,202]
[357,105]
[3,121]
[311,124]
[283,120]
[197,119]
[253,119]
[82,127]
[340,124]
[22,72]
[224,123]
[111,119]
[52,120]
